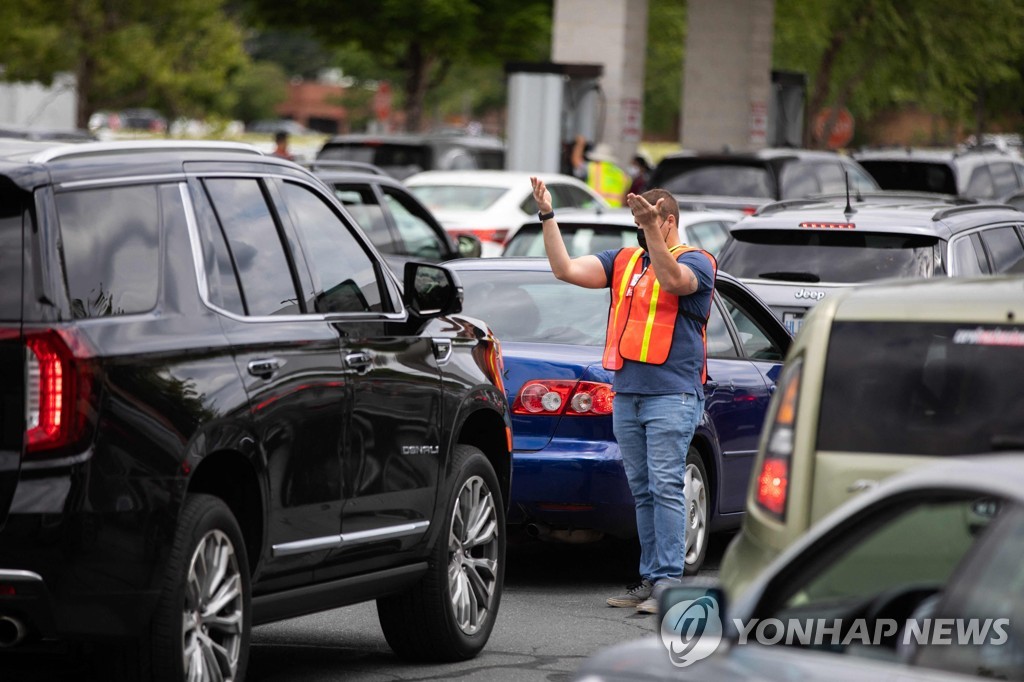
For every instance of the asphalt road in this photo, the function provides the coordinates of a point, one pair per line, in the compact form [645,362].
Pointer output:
[552,616]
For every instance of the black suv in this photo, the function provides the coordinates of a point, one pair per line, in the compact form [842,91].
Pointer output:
[218,410]
[794,254]
[403,154]
[981,173]
[746,180]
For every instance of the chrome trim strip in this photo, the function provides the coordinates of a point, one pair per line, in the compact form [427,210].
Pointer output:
[120,182]
[92,148]
[15,574]
[344,539]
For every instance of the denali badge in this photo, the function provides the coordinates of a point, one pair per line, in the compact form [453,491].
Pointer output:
[807,293]
[420,449]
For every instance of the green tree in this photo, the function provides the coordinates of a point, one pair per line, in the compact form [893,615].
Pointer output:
[257,89]
[663,73]
[871,55]
[420,40]
[174,55]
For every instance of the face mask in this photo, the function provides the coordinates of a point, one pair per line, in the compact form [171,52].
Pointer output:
[641,238]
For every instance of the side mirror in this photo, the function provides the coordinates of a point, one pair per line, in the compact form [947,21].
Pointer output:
[469,246]
[431,290]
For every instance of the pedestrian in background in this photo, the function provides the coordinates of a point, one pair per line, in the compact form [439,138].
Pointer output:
[598,168]
[640,170]
[281,145]
[661,295]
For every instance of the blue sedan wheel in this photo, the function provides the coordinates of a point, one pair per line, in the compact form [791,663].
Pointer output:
[697,513]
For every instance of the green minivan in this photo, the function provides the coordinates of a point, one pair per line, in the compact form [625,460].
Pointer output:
[881,378]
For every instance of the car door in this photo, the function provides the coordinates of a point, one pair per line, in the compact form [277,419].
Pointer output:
[289,361]
[746,346]
[391,456]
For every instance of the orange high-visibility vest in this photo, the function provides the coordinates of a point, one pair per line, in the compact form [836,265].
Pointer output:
[641,321]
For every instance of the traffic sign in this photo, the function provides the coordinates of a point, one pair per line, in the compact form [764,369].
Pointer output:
[841,133]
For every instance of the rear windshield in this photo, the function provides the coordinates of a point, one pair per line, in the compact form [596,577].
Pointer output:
[579,240]
[13,203]
[457,197]
[922,389]
[535,307]
[398,159]
[916,176]
[692,176]
[829,256]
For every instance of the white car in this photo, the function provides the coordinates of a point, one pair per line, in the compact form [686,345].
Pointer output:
[492,204]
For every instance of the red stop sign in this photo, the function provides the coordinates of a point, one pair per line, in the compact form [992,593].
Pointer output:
[382,101]
[842,127]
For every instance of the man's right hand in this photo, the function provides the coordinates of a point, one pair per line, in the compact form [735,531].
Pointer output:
[541,195]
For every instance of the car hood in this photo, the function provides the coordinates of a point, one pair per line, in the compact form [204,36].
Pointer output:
[526,362]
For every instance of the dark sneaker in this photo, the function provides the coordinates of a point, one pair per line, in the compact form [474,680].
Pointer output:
[650,605]
[633,596]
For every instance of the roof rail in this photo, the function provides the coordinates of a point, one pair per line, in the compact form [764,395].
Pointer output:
[93,148]
[943,213]
[788,203]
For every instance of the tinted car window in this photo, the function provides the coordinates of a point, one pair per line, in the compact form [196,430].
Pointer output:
[1004,178]
[721,179]
[255,245]
[859,180]
[1005,248]
[111,249]
[223,287]
[820,256]
[418,237]
[757,344]
[980,184]
[720,343]
[800,179]
[344,274]
[399,160]
[921,389]
[912,175]
[12,205]
[710,236]
[968,257]
[361,203]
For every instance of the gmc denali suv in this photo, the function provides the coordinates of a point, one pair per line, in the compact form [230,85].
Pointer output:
[219,408]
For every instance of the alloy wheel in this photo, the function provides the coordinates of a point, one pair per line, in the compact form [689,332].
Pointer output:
[212,620]
[473,555]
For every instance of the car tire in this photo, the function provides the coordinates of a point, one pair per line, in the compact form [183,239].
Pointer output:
[208,547]
[448,615]
[698,514]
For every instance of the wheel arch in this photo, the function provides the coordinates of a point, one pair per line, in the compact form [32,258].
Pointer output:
[486,429]
[230,476]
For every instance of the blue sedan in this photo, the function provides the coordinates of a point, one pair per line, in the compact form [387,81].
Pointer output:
[568,482]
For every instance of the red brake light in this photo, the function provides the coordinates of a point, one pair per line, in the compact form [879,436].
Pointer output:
[749,210]
[55,392]
[772,484]
[554,397]
[841,226]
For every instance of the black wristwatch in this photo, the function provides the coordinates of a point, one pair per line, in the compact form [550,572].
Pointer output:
[545,216]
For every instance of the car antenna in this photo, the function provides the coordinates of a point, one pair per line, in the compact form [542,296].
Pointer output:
[849,209]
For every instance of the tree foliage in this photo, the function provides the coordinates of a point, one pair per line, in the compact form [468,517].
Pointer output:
[874,55]
[420,40]
[174,55]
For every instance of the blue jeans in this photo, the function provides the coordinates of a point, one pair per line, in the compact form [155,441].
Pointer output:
[654,434]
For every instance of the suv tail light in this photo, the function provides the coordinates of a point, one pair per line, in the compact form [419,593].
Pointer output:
[554,397]
[56,391]
[773,479]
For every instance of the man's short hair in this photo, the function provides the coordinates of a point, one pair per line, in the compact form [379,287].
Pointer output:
[669,207]
[280,136]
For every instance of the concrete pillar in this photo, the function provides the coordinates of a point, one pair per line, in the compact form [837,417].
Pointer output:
[612,33]
[727,76]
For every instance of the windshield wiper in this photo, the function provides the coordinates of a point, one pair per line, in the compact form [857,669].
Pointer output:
[791,276]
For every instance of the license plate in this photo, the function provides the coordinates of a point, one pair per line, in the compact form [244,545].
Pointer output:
[793,321]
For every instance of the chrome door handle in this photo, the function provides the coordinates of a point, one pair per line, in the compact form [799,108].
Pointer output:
[264,368]
[360,362]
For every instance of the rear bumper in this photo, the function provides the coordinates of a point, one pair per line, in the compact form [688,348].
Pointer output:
[573,485]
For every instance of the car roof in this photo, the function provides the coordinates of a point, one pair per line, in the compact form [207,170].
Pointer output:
[991,299]
[485,141]
[756,154]
[488,178]
[913,215]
